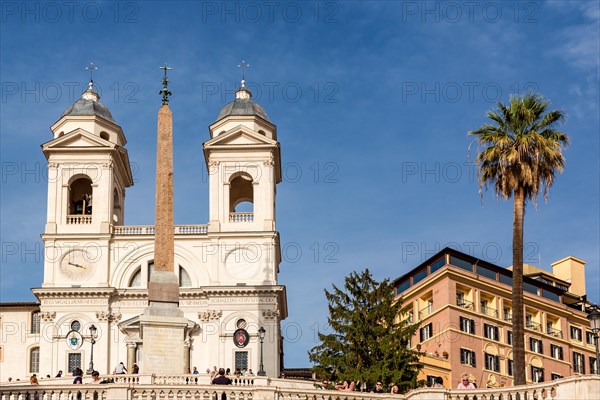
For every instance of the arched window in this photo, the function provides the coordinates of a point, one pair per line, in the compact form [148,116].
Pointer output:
[117,211]
[105,135]
[241,198]
[80,197]
[35,322]
[34,360]
[184,278]
[136,279]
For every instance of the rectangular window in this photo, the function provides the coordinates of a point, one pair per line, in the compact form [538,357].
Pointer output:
[509,338]
[536,346]
[555,377]
[467,325]
[457,262]
[506,279]
[419,276]
[556,352]
[491,332]
[510,368]
[537,374]
[487,272]
[589,337]
[403,286]
[35,322]
[492,362]
[426,332]
[74,361]
[467,357]
[578,363]
[241,360]
[437,265]
[593,365]
[507,314]
[575,333]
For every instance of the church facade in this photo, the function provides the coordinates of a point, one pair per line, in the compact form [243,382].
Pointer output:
[96,269]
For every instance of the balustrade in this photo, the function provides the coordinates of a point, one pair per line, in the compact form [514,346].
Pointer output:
[140,230]
[241,217]
[79,219]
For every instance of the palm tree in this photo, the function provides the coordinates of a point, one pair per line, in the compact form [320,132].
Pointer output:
[519,153]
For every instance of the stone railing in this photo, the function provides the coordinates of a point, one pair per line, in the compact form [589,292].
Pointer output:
[79,219]
[241,217]
[140,230]
[141,388]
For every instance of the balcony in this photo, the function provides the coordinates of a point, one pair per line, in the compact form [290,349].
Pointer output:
[464,303]
[241,217]
[490,312]
[425,311]
[79,219]
[141,230]
[508,317]
[533,326]
[554,332]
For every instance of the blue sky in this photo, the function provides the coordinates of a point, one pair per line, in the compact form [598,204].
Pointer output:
[372,101]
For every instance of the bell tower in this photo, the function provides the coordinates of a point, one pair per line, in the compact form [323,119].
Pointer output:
[88,171]
[244,163]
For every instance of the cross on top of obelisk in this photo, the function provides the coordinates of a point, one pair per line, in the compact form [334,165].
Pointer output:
[243,66]
[164,91]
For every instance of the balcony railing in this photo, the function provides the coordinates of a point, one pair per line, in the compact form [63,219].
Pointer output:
[188,387]
[508,317]
[464,303]
[492,312]
[79,219]
[241,217]
[425,311]
[141,230]
[533,326]
[554,332]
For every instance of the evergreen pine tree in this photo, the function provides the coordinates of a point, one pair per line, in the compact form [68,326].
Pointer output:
[369,340]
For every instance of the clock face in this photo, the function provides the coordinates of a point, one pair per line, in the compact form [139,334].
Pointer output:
[242,263]
[75,265]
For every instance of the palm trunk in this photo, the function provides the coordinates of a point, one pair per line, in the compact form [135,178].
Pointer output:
[517,295]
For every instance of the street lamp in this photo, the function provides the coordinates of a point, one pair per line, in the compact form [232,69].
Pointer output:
[594,318]
[93,337]
[261,336]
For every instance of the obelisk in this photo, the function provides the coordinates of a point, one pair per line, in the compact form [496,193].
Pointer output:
[162,324]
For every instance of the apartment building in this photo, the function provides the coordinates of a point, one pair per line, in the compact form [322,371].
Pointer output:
[464,310]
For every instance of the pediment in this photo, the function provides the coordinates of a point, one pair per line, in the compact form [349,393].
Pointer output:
[79,138]
[240,135]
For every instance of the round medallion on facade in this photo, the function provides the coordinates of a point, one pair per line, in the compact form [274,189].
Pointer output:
[74,340]
[241,338]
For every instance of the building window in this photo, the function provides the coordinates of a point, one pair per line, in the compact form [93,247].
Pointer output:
[556,351]
[467,325]
[555,377]
[241,360]
[575,333]
[593,365]
[536,345]
[492,362]
[491,332]
[537,374]
[34,360]
[578,363]
[431,380]
[589,337]
[74,361]
[426,332]
[510,368]
[35,322]
[184,278]
[507,314]
[509,337]
[467,357]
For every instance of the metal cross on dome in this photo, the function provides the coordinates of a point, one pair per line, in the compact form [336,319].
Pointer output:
[164,91]
[243,66]
[91,68]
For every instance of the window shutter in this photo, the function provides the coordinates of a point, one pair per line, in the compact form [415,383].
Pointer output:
[473,356]
[497,366]
[560,353]
[497,333]
[472,326]
[462,356]
[541,346]
[421,334]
